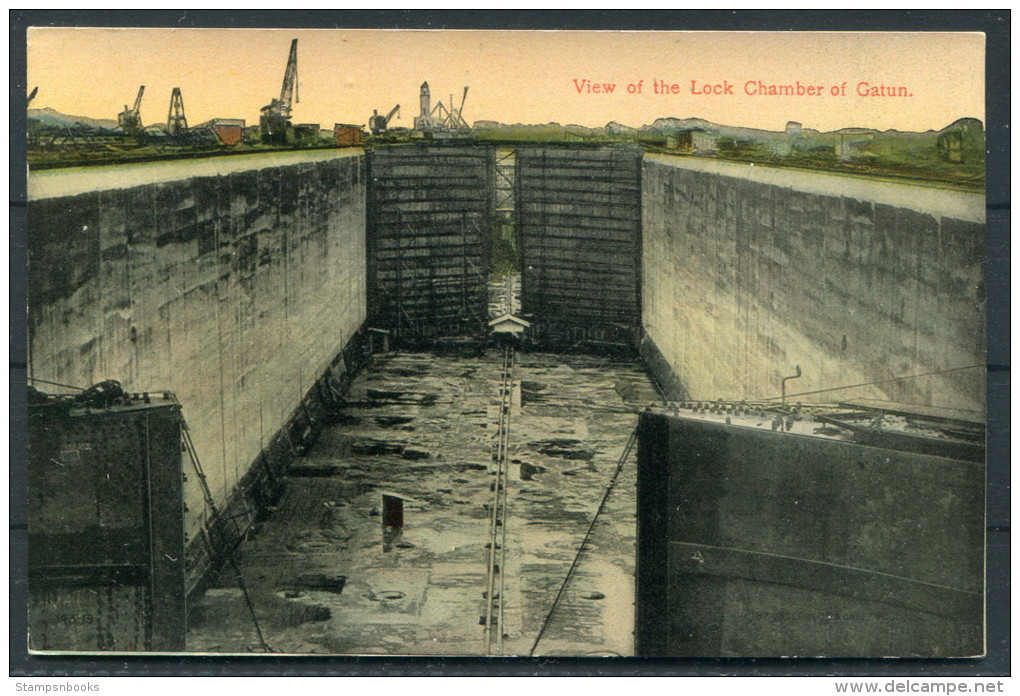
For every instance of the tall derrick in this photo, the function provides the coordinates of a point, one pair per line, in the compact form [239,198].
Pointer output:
[274,121]
[176,121]
[130,120]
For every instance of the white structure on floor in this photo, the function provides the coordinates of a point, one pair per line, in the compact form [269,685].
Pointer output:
[508,323]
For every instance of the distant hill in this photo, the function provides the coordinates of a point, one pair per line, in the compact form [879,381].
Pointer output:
[665,125]
[965,123]
[952,155]
[672,124]
[52,117]
[615,128]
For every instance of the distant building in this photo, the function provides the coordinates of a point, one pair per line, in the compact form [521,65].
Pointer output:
[347,134]
[303,133]
[228,131]
[424,121]
[614,128]
[962,141]
[793,129]
[705,142]
[852,144]
[694,140]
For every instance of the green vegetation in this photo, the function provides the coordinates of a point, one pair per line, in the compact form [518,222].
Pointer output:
[123,151]
[952,158]
[891,155]
[555,134]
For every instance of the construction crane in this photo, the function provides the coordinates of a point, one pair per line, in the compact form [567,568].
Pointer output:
[130,120]
[456,121]
[448,118]
[274,121]
[377,124]
[440,114]
[176,121]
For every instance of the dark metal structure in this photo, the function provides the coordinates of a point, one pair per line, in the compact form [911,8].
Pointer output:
[378,124]
[441,121]
[455,119]
[430,217]
[106,524]
[578,213]
[274,120]
[130,120]
[757,542]
[176,121]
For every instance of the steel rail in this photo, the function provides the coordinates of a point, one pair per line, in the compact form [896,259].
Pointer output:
[497,514]
[505,486]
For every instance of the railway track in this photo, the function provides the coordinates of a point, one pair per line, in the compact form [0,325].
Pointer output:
[493,619]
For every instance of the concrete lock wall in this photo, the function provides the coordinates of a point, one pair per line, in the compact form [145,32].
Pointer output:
[750,272]
[759,543]
[431,211]
[579,220]
[233,282]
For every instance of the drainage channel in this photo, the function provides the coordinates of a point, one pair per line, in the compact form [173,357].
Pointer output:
[493,619]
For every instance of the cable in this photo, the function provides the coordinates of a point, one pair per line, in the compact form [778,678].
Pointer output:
[580,550]
[247,599]
[244,588]
[55,384]
[881,381]
[211,504]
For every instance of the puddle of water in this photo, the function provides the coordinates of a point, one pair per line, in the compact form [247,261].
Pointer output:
[316,546]
[385,596]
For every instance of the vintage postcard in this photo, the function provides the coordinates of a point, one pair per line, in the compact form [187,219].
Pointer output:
[522,343]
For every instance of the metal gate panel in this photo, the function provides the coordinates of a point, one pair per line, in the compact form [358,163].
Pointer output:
[106,526]
[756,543]
[579,220]
[431,210]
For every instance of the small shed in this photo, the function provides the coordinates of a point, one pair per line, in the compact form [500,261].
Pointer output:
[347,134]
[508,323]
[228,131]
[306,132]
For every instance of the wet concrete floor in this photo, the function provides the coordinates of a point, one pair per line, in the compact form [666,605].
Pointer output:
[324,577]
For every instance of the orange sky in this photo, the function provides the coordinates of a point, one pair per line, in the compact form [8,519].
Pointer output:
[514,76]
